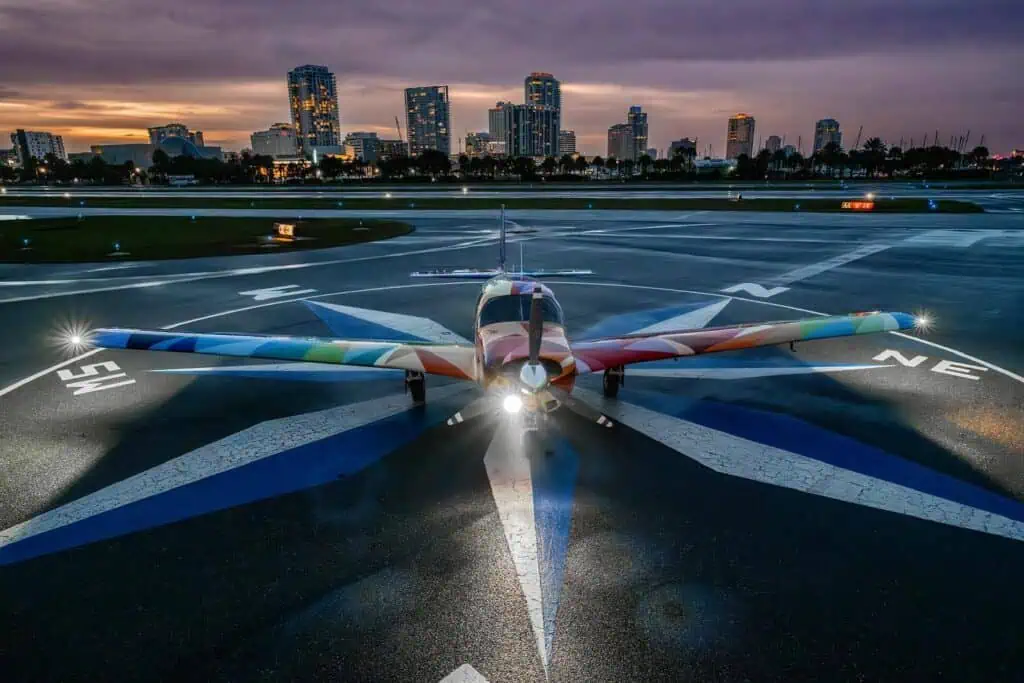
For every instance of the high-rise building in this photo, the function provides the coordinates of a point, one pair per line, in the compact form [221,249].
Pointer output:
[428,122]
[525,129]
[620,141]
[637,120]
[158,134]
[739,138]
[683,147]
[543,90]
[37,144]
[361,145]
[774,143]
[313,99]
[566,142]
[826,131]
[277,141]
[496,120]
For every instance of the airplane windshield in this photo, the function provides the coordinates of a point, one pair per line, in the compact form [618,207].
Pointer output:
[516,308]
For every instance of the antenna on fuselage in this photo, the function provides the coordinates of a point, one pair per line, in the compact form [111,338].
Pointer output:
[501,243]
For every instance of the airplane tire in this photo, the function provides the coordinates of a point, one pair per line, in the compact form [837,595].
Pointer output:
[611,384]
[417,385]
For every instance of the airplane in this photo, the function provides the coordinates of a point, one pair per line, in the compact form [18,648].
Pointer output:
[520,354]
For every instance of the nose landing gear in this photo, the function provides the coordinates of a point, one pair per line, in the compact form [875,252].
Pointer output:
[614,378]
[416,385]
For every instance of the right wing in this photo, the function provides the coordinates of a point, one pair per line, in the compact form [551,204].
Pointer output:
[449,360]
[609,352]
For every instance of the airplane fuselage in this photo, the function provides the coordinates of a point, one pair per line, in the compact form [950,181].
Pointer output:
[502,334]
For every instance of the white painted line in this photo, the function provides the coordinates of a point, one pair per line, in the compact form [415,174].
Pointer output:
[250,445]
[743,373]
[739,457]
[42,373]
[687,321]
[832,263]
[990,366]
[464,674]
[424,328]
[508,470]
[237,272]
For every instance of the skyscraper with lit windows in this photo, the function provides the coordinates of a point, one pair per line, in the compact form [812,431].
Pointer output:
[826,131]
[739,137]
[428,121]
[543,92]
[313,100]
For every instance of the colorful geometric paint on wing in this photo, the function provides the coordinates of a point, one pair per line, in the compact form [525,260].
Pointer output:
[450,360]
[600,354]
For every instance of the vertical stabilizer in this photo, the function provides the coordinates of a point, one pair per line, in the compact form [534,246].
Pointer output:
[501,243]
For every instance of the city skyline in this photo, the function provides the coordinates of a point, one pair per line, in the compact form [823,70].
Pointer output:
[938,65]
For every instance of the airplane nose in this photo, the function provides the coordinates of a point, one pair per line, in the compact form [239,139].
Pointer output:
[533,376]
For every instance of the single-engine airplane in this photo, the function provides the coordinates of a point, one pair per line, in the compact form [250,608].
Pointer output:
[520,355]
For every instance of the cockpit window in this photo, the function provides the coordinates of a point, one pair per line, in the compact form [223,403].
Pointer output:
[516,308]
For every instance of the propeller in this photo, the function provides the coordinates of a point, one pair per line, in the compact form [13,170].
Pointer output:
[533,378]
[532,375]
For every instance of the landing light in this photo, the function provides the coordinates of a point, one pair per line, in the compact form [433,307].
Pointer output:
[465,190]
[512,404]
[923,322]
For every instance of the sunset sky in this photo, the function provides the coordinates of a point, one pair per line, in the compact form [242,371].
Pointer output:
[103,70]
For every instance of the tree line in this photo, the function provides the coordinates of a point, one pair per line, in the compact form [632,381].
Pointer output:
[874,159]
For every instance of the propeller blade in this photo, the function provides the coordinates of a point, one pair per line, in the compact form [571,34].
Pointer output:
[580,408]
[536,328]
[477,408]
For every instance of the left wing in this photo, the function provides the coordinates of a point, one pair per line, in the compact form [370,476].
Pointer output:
[449,360]
[601,354]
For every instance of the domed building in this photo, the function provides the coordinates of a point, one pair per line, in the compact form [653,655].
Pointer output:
[175,146]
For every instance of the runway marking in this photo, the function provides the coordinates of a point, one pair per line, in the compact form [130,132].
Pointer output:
[247,447]
[740,457]
[830,264]
[89,379]
[951,238]
[738,371]
[464,674]
[276,292]
[237,272]
[666,226]
[755,289]
[43,373]
[686,321]
[508,470]
[346,320]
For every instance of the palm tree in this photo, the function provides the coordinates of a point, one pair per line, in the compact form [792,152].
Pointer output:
[611,163]
[597,162]
[829,156]
[645,162]
[874,155]
[463,165]
[549,165]
[581,164]
[566,163]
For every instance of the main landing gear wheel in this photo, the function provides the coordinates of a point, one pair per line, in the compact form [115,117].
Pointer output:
[613,379]
[416,385]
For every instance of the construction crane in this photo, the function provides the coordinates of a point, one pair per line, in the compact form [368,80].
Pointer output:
[856,144]
[399,127]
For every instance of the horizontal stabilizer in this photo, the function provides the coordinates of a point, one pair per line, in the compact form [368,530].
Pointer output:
[487,274]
